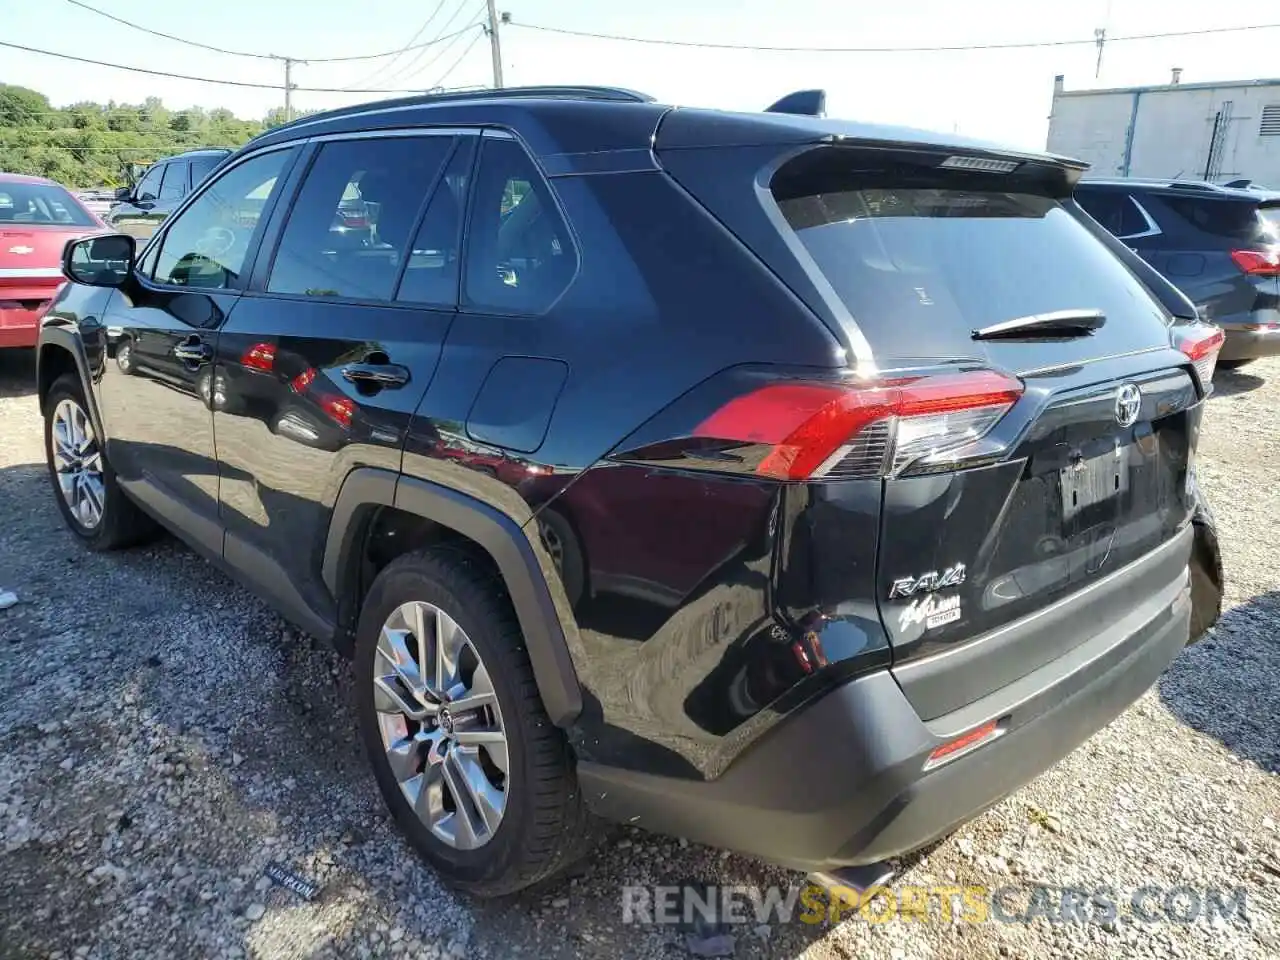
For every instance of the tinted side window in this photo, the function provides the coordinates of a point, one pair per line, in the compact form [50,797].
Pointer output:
[206,244]
[201,167]
[431,275]
[519,257]
[149,186]
[1115,211]
[349,229]
[174,185]
[1229,219]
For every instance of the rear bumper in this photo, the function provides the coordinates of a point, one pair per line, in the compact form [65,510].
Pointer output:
[1243,343]
[842,781]
[20,326]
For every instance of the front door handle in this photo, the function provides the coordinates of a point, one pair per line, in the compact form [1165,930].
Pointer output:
[193,351]
[376,374]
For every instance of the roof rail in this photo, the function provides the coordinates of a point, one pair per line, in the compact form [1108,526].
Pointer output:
[617,94]
[1193,185]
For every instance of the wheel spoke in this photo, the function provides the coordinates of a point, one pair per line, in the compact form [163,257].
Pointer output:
[429,802]
[406,756]
[94,494]
[463,820]
[484,797]
[448,641]
[393,649]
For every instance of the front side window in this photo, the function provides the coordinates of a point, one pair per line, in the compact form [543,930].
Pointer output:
[206,244]
[149,186]
[350,227]
[174,184]
[519,256]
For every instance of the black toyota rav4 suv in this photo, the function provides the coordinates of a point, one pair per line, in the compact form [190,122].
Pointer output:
[792,485]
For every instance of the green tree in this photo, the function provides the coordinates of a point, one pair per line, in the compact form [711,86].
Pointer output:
[23,107]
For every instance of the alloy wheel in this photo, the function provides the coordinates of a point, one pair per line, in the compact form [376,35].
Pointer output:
[77,463]
[440,725]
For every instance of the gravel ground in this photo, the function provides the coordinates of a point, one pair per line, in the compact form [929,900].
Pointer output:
[163,737]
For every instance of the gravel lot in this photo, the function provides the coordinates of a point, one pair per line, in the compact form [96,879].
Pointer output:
[163,737]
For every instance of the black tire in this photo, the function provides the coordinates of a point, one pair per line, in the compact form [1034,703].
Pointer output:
[122,523]
[560,539]
[545,826]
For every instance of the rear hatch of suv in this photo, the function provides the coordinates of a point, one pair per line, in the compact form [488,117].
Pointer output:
[1019,522]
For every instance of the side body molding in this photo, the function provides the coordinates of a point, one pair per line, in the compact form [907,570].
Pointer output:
[501,537]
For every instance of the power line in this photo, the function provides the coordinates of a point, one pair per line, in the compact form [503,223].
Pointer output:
[1025,45]
[461,57]
[412,40]
[433,59]
[415,66]
[247,53]
[229,83]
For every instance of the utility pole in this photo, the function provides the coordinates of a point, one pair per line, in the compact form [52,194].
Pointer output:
[1100,38]
[289,85]
[495,45]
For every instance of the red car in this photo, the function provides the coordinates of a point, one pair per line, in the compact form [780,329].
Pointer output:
[37,217]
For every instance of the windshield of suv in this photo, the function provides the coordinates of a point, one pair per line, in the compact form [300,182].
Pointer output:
[918,256]
[41,204]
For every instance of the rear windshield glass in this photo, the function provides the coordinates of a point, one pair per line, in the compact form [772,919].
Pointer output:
[915,260]
[41,203]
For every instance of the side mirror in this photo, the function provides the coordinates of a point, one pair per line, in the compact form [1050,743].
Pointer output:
[104,261]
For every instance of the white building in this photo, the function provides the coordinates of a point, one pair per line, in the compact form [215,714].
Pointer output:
[1194,131]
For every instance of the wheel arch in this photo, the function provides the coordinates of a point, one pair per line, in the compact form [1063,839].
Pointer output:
[61,352]
[366,491]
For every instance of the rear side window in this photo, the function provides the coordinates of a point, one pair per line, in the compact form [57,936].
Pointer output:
[1115,211]
[201,167]
[431,273]
[1228,219]
[519,257]
[349,230]
[913,253]
[174,184]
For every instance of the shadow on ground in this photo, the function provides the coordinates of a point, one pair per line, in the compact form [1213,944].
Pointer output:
[17,373]
[1229,383]
[1242,654]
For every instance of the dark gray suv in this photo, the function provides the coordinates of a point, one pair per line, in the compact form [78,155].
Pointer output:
[1219,245]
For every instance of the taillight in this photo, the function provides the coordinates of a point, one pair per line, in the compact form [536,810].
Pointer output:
[1202,349]
[815,430]
[261,356]
[339,409]
[303,380]
[1258,263]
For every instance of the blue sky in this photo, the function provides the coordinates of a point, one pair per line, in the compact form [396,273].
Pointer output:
[999,95]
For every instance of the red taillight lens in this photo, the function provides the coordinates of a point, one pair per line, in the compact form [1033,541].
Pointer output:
[1202,349]
[964,743]
[261,356]
[822,429]
[303,380]
[1258,263]
[339,409]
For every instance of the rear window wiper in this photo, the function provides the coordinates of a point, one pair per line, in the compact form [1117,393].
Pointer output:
[1059,323]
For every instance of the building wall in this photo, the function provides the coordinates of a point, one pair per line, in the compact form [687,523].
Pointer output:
[1172,134]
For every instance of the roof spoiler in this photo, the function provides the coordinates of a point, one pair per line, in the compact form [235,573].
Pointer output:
[804,103]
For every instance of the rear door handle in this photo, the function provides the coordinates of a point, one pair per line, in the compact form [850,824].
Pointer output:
[193,351]
[376,374]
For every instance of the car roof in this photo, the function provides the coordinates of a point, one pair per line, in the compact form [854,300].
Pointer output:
[1192,188]
[571,120]
[24,178]
[202,152]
